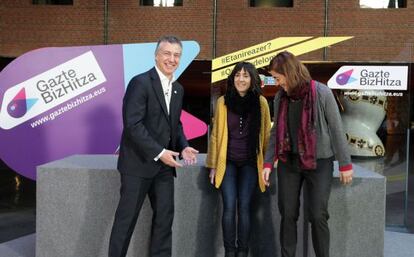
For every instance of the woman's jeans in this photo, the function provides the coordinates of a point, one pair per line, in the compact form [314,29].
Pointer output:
[318,187]
[238,187]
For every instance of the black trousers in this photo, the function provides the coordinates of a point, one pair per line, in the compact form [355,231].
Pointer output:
[160,191]
[318,184]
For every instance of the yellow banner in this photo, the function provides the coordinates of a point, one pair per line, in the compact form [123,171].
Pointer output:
[264,60]
[255,50]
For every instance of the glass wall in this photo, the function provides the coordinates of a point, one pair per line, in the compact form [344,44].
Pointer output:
[271,3]
[161,3]
[54,2]
[382,4]
[378,124]
[17,198]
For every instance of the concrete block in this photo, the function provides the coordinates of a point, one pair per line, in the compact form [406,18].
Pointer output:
[357,216]
[77,197]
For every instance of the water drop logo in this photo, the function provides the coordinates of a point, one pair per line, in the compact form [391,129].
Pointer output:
[345,78]
[19,105]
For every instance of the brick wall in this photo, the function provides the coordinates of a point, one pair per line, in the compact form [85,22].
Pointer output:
[24,26]
[379,35]
[131,23]
[241,26]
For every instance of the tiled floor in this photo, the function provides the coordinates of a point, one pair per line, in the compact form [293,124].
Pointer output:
[396,245]
[21,247]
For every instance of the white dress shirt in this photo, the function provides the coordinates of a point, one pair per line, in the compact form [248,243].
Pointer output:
[166,87]
[167,90]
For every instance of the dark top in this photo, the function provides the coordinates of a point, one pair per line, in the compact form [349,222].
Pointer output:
[294,116]
[237,148]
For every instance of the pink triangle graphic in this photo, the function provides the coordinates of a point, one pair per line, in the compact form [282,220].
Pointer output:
[348,73]
[192,126]
[21,95]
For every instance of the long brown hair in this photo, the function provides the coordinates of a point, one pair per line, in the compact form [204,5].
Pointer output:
[288,65]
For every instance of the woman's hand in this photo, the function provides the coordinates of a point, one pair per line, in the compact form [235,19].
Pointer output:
[212,176]
[346,177]
[265,176]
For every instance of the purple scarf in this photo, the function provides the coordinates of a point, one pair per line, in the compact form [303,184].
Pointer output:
[307,128]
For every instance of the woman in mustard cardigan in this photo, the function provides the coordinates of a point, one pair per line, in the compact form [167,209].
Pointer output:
[235,155]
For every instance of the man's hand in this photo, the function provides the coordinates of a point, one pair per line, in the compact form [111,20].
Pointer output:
[346,177]
[168,158]
[212,176]
[265,176]
[189,155]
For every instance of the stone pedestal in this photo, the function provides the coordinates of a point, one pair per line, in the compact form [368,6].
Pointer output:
[77,197]
[357,216]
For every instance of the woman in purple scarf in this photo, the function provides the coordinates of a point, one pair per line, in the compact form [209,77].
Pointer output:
[306,137]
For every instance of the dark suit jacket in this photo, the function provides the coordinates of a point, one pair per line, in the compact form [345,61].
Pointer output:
[147,126]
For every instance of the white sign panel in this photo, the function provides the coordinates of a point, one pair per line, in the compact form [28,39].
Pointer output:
[50,89]
[370,78]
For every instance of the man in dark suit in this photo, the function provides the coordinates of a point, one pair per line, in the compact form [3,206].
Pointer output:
[151,139]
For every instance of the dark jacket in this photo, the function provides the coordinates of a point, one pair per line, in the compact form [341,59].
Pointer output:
[331,139]
[148,128]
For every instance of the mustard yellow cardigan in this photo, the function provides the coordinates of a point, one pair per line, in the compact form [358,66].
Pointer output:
[217,148]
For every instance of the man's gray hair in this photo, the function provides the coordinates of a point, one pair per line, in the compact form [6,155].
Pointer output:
[170,39]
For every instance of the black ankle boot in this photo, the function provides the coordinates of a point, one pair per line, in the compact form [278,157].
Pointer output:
[230,254]
[242,254]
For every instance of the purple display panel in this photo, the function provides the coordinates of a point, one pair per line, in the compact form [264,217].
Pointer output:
[56,102]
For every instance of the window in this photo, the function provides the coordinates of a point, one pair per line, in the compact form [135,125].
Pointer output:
[271,3]
[382,4]
[161,3]
[55,2]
